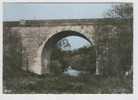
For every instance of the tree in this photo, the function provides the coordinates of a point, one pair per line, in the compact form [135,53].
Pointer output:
[64,44]
[124,10]
[121,44]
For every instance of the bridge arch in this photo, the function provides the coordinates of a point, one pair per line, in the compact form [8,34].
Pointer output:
[51,42]
[46,34]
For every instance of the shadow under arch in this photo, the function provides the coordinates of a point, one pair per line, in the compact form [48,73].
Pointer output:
[51,44]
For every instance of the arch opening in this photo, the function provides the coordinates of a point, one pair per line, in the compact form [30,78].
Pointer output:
[50,45]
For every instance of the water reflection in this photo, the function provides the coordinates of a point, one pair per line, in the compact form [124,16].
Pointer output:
[71,72]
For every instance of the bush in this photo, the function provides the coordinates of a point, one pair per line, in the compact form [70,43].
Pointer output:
[83,59]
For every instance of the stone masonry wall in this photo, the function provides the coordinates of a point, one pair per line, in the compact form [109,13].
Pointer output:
[34,39]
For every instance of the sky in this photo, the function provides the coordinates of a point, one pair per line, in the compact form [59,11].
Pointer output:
[38,11]
[31,11]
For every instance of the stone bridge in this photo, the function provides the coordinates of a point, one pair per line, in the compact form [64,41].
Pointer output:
[39,37]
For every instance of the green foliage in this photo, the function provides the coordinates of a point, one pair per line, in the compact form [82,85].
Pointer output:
[115,40]
[30,83]
[81,59]
[124,10]
[12,56]
[56,67]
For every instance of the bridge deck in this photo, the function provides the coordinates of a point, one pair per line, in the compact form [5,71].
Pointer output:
[59,22]
[50,22]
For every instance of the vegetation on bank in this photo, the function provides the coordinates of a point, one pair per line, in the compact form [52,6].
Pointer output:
[83,59]
[16,80]
[20,82]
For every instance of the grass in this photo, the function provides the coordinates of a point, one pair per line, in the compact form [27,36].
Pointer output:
[20,82]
